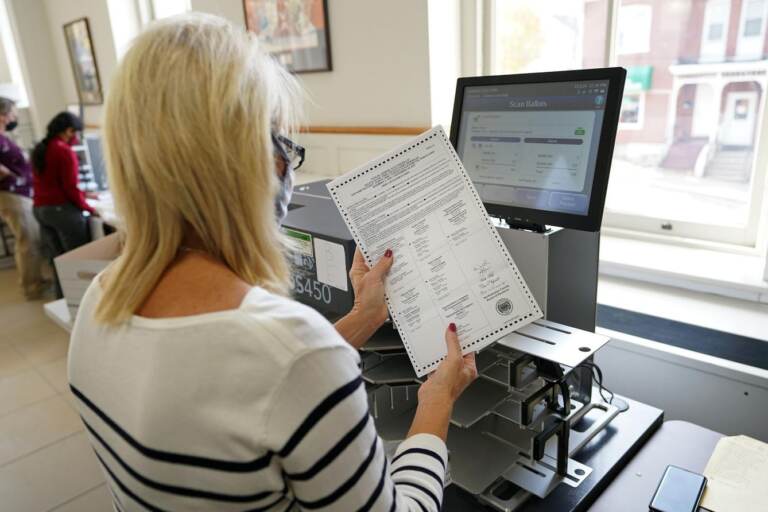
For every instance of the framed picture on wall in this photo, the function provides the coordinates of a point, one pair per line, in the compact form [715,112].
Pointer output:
[84,67]
[294,31]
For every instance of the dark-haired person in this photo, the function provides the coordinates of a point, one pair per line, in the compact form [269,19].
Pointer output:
[59,204]
[16,204]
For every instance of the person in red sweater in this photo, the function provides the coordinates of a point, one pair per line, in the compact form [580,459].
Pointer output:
[59,204]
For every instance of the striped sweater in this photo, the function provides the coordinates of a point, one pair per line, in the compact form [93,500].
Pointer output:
[261,408]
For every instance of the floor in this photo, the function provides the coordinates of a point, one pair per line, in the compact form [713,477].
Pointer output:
[46,462]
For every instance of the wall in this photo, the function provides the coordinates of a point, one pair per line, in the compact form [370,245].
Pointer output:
[381,66]
[445,58]
[717,394]
[5,72]
[97,13]
[229,9]
[380,54]
[37,60]
[381,77]
[381,74]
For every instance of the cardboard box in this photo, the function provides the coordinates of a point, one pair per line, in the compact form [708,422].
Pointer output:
[77,268]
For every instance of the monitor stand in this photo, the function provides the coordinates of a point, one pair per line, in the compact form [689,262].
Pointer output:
[561,268]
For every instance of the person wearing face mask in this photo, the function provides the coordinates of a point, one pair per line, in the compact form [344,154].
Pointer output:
[290,156]
[59,203]
[16,204]
[202,384]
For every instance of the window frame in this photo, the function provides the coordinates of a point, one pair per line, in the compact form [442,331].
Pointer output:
[751,238]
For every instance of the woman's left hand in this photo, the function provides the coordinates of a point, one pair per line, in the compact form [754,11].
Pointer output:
[368,284]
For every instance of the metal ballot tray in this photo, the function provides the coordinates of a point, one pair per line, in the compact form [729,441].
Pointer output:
[555,342]
[511,426]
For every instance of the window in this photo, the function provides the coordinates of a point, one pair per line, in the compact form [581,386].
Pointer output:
[165,8]
[157,9]
[631,116]
[752,30]
[531,35]
[714,35]
[753,18]
[715,32]
[634,32]
[688,168]
[688,141]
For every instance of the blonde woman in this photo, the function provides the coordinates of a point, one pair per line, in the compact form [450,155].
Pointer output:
[201,384]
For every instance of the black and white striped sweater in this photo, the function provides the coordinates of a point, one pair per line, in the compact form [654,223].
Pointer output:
[261,408]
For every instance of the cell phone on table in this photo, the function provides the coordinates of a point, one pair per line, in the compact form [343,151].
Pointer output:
[679,490]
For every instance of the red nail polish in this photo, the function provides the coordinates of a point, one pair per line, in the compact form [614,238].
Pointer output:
[388,253]
[452,327]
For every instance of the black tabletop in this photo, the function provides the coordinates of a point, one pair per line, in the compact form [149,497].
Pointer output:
[679,443]
[606,454]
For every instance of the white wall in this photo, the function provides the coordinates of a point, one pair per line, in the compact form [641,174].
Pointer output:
[721,395]
[380,55]
[380,52]
[380,74]
[5,72]
[229,9]
[37,60]
[445,58]
[96,11]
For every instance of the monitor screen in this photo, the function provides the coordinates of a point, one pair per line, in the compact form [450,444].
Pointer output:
[534,146]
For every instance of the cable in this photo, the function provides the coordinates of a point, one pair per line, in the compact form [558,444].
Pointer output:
[597,376]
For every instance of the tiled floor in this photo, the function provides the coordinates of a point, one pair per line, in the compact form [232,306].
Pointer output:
[46,462]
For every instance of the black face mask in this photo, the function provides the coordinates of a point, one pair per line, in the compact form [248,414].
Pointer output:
[11,126]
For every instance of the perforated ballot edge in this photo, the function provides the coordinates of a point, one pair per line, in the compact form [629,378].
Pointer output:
[477,342]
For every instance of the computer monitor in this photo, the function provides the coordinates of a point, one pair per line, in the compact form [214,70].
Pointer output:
[96,155]
[538,146]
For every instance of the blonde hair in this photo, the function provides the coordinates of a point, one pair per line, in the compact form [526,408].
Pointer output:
[188,148]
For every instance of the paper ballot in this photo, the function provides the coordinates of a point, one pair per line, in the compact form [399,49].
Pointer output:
[450,263]
[736,476]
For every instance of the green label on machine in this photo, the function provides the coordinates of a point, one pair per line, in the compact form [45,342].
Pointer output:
[299,242]
[301,250]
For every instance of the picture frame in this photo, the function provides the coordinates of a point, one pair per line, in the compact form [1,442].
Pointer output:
[85,68]
[295,32]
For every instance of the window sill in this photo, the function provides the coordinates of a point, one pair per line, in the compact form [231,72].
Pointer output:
[738,276]
[725,314]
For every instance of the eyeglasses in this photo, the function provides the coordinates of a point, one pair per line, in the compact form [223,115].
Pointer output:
[292,153]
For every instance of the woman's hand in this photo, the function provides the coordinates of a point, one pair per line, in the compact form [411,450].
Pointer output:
[453,374]
[369,310]
[438,394]
[368,284]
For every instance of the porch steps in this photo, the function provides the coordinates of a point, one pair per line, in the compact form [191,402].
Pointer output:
[730,165]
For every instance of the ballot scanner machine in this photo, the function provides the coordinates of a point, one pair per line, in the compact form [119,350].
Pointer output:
[537,430]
